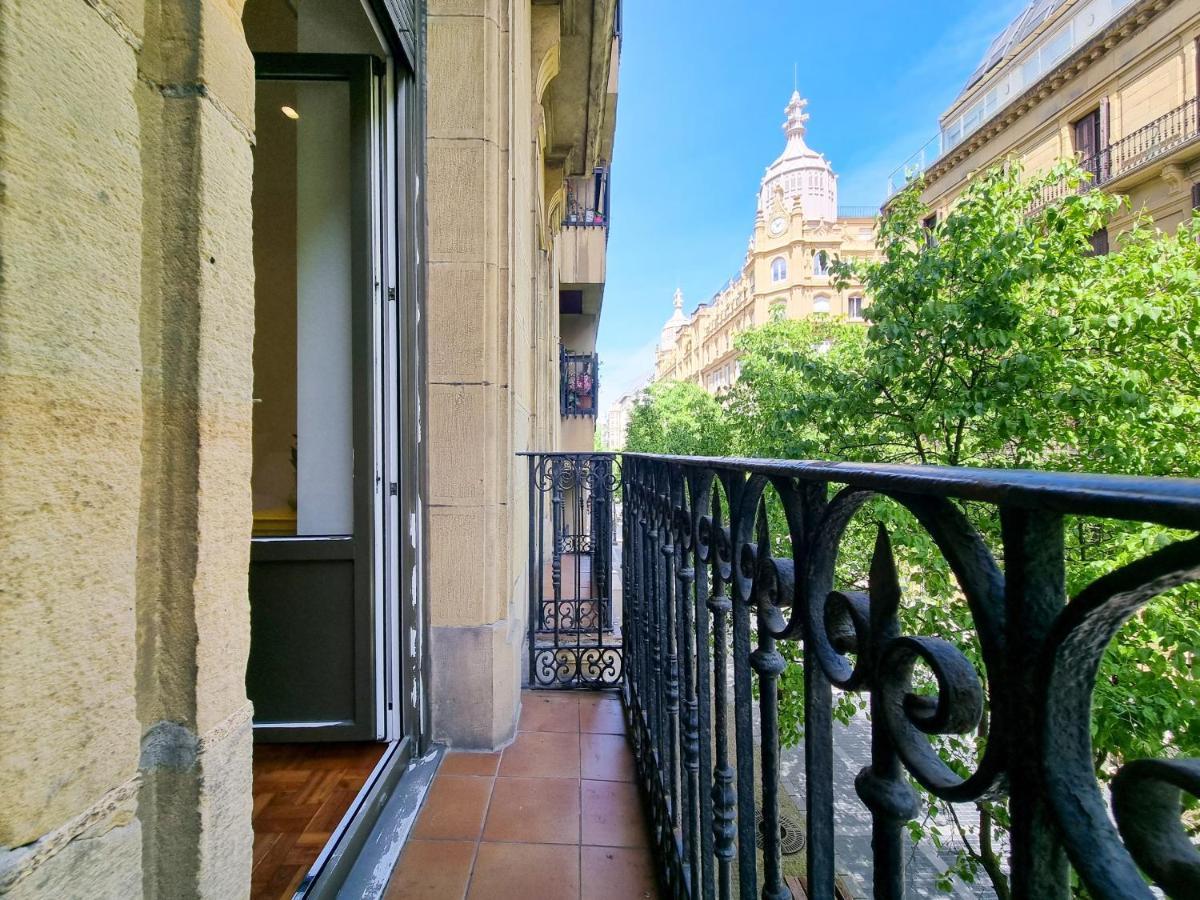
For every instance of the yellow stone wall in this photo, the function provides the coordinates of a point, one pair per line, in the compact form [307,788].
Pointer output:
[125,328]
[494,206]
[1143,66]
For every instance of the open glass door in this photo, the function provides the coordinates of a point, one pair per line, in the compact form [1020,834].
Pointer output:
[314,656]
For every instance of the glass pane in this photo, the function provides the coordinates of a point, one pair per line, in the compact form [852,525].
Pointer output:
[303,410]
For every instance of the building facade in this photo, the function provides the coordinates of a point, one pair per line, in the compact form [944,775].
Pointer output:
[1110,83]
[285,286]
[799,231]
[616,420]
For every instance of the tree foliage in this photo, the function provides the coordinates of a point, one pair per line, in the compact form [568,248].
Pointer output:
[678,417]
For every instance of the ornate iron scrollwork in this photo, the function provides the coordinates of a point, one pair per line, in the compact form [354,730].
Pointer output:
[573,639]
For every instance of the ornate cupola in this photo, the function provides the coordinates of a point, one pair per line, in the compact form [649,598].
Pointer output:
[801,174]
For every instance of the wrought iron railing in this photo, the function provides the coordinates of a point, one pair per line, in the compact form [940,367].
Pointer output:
[572,639]
[728,569]
[857,212]
[1165,134]
[579,383]
[587,204]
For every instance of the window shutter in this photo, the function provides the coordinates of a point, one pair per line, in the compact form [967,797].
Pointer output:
[403,14]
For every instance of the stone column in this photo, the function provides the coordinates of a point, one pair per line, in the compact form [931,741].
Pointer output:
[481,284]
[70,430]
[196,101]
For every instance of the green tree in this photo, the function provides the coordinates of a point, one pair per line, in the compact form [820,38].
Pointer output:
[678,417]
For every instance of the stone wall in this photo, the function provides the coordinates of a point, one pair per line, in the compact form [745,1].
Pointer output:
[125,327]
[492,336]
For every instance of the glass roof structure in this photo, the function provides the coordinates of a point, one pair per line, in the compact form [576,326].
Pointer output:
[1020,28]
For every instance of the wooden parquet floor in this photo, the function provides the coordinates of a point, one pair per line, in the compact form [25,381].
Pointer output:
[301,792]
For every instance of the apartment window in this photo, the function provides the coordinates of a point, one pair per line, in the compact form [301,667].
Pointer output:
[854,307]
[821,304]
[1099,242]
[1196,195]
[820,263]
[929,223]
[1087,141]
[779,269]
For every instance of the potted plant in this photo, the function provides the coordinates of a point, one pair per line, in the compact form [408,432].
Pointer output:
[580,390]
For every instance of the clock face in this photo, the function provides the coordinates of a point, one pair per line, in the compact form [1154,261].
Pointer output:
[778,225]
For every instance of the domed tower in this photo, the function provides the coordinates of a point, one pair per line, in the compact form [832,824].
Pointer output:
[800,173]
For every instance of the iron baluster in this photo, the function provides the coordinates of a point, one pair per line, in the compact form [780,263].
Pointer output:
[700,524]
[1035,594]
[688,712]
[740,527]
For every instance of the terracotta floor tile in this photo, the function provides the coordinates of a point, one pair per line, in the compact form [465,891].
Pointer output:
[542,754]
[534,811]
[605,757]
[544,711]
[525,872]
[460,763]
[454,808]
[601,714]
[432,870]
[625,872]
[612,815]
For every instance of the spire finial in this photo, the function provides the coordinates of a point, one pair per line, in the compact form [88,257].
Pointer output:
[679,299]
[795,87]
[793,126]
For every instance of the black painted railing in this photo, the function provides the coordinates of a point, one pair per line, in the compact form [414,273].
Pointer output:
[588,201]
[573,641]
[728,570]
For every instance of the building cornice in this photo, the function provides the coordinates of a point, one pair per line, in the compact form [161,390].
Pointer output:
[1118,32]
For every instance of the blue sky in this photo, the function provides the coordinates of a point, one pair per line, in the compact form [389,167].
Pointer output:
[703,85]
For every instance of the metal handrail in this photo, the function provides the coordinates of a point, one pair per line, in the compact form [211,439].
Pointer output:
[709,611]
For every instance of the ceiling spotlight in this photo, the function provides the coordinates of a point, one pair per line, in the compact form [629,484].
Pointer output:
[289,112]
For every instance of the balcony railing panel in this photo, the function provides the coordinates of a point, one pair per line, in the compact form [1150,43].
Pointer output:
[728,571]
[579,380]
[1152,141]
[573,638]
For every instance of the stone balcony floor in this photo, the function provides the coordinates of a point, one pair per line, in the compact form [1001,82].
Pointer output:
[555,816]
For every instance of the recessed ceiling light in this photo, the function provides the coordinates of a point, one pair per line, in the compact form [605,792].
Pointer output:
[289,112]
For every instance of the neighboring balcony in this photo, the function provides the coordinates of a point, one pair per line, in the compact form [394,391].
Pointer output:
[584,238]
[1159,142]
[579,380]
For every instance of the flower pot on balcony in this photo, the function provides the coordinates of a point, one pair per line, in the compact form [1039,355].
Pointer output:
[584,402]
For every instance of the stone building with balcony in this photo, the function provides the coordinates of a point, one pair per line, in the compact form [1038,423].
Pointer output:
[286,284]
[799,230]
[1110,83]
